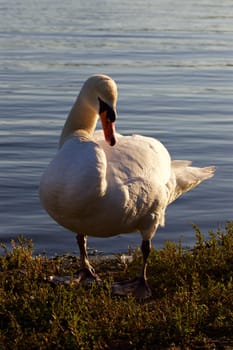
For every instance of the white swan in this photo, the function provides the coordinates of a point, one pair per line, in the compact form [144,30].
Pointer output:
[97,190]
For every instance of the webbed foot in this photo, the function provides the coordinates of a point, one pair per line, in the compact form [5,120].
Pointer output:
[137,287]
[87,276]
[83,276]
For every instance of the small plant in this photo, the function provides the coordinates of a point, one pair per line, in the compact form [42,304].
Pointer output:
[191,307]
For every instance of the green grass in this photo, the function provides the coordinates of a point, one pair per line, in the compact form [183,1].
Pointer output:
[191,307]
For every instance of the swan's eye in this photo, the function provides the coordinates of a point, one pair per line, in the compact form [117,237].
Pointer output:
[104,107]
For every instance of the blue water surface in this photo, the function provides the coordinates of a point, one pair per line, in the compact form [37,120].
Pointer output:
[173,62]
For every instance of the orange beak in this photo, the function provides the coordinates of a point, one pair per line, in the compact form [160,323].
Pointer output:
[108,128]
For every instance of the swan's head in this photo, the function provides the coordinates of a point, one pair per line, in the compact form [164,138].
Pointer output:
[104,98]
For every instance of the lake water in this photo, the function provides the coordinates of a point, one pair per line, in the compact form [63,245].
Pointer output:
[173,62]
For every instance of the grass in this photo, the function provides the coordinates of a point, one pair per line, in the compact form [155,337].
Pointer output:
[191,307]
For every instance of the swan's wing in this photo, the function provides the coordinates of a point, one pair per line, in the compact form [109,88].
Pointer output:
[75,179]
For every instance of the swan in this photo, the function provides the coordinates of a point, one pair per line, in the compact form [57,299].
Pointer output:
[101,183]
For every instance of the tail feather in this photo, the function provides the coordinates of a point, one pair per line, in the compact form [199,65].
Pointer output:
[185,177]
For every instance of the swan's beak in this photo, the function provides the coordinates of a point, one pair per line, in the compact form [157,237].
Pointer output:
[108,128]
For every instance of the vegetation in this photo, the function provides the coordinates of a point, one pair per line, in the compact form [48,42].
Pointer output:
[191,307]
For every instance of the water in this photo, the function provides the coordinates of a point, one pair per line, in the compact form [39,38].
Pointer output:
[173,62]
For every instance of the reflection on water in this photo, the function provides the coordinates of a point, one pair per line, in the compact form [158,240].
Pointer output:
[173,64]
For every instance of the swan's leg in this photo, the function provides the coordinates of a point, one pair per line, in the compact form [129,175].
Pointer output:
[143,285]
[85,275]
[82,243]
[139,286]
[87,272]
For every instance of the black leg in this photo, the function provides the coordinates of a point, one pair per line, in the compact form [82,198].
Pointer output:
[138,286]
[82,243]
[86,274]
[87,271]
[145,248]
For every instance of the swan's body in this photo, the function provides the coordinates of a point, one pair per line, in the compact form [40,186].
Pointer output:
[97,190]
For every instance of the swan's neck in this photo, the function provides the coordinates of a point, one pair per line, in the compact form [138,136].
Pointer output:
[81,121]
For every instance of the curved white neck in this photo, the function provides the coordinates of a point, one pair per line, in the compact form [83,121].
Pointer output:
[81,121]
